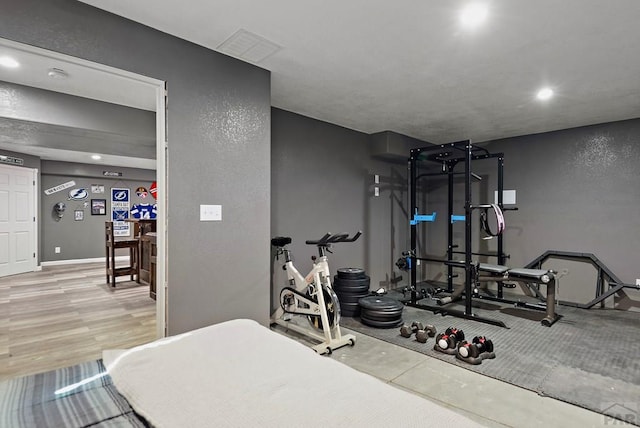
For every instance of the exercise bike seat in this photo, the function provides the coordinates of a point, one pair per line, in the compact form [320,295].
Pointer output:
[280,241]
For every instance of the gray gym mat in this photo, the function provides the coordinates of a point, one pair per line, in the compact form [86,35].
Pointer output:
[588,358]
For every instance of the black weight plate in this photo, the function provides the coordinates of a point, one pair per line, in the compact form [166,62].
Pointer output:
[379,318]
[349,305]
[350,312]
[352,281]
[389,313]
[380,324]
[348,298]
[380,303]
[353,293]
[383,312]
[350,273]
[362,292]
[339,282]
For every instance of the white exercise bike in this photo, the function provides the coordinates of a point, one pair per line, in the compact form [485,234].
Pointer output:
[312,295]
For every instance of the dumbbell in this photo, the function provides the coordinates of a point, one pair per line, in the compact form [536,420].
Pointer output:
[450,338]
[422,334]
[406,331]
[478,345]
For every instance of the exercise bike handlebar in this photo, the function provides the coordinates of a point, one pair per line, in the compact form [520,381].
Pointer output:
[329,238]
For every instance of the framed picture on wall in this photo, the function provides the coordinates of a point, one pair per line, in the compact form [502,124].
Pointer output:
[78,215]
[98,207]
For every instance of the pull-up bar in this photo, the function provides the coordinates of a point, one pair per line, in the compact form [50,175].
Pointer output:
[449,155]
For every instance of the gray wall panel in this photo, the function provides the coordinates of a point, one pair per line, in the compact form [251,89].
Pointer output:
[29,161]
[81,239]
[218,152]
[577,190]
[323,181]
[39,105]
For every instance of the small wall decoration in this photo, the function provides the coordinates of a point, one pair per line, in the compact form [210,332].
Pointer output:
[98,207]
[78,215]
[60,187]
[97,188]
[58,210]
[120,201]
[141,192]
[11,160]
[78,194]
[153,189]
[144,211]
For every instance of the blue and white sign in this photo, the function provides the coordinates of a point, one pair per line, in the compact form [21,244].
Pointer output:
[119,215]
[78,194]
[120,211]
[120,195]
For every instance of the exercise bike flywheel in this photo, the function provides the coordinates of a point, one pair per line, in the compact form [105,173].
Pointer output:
[332,306]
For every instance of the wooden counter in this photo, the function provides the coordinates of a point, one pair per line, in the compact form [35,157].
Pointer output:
[148,252]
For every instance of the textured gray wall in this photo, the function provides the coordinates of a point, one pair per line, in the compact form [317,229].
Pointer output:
[322,181]
[577,190]
[39,105]
[218,152]
[29,161]
[81,239]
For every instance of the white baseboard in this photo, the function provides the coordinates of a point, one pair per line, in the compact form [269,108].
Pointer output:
[81,261]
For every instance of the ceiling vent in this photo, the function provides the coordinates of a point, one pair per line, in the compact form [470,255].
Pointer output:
[248,46]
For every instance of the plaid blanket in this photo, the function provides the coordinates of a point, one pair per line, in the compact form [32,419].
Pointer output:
[77,396]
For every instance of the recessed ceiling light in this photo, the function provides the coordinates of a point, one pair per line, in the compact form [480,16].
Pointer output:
[474,14]
[96,157]
[544,94]
[7,61]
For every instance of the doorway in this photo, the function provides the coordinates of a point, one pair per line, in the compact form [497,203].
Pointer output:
[114,83]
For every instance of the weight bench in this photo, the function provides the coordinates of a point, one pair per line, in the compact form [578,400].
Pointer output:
[499,273]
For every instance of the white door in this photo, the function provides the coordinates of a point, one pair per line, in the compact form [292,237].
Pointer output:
[17,220]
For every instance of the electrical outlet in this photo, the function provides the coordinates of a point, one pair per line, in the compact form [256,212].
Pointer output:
[210,212]
[637,281]
[57,250]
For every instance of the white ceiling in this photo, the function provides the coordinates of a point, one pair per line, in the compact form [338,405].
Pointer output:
[84,79]
[410,67]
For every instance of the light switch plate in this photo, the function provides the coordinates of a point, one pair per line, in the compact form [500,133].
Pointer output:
[508,197]
[210,212]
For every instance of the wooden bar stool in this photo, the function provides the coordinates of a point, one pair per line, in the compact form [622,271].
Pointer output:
[111,245]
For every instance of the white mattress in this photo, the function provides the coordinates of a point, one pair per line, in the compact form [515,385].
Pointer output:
[241,374]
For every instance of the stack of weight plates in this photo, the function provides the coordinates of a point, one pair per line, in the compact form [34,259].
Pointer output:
[350,285]
[380,312]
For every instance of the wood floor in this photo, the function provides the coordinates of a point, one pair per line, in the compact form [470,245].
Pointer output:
[68,314]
